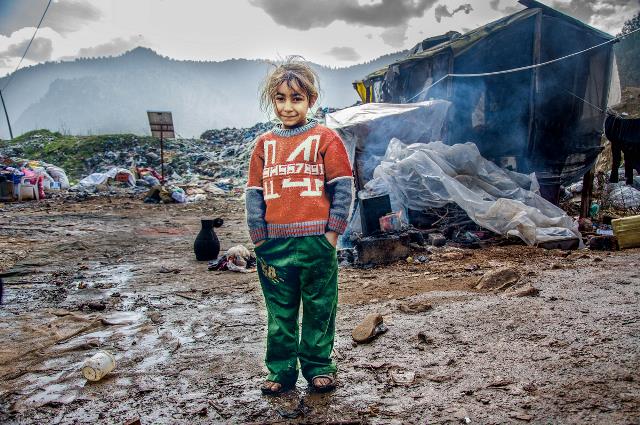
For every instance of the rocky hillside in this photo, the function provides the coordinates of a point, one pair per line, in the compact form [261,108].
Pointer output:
[112,95]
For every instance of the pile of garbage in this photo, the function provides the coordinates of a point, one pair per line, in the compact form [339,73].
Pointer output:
[44,177]
[147,181]
[216,162]
[127,164]
[433,175]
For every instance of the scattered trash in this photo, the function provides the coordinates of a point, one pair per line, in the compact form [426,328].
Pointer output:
[385,248]
[421,176]
[236,259]
[437,239]
[415,307]
[391,222]
[115,173]
[627,231]
[95,305]
[174,270]
[97,366]
[24,179]
[403,377]
[499,279]
[526,291]
[369,328]
[603,243]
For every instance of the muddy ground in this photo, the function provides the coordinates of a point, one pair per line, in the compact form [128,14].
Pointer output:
[120,275]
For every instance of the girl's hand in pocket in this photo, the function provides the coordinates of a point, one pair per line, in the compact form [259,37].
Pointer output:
[332,237]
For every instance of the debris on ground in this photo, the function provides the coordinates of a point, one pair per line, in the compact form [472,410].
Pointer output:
[415,307]
[23,179]
[367,330]
[527,290]
[499,279]
[98,365]
[237,259]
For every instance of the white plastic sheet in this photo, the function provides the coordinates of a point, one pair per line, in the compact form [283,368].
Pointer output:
[367,129]
[420,176]
[99,178]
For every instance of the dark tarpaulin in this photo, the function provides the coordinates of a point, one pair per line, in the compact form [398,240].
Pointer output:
[547,119]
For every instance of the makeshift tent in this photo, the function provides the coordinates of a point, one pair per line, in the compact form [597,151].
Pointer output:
[546,119]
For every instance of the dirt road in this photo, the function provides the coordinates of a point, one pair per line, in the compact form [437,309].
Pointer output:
[120,275]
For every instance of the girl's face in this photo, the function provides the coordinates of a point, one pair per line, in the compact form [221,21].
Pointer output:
[291,105]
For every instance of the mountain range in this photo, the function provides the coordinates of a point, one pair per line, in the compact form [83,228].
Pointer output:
[112,94]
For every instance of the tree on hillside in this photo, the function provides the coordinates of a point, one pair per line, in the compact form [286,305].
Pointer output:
[628,53]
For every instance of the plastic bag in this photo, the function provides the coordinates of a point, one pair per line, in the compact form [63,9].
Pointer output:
[421,176]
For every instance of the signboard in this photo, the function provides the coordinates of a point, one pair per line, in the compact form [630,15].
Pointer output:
[161,124]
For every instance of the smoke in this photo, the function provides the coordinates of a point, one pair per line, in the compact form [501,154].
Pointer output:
[442,11]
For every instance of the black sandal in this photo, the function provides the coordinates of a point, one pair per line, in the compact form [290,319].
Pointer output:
[324,388]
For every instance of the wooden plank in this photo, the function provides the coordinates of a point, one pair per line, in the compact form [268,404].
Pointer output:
[587,189]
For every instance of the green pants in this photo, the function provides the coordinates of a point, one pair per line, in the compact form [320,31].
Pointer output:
[291,269]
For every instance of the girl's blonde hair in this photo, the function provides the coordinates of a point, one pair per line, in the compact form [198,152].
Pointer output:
[292,69]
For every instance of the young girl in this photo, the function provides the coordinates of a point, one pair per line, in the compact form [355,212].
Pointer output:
[298,199]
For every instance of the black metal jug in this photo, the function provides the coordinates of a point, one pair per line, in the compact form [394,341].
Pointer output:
[207,245]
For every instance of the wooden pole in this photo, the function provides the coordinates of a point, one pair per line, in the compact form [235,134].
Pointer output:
[162,154]
[587,189]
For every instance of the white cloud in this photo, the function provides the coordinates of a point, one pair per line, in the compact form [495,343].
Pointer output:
[442,11]
[395,37]
[304,15]
[63,16]
[113,47]
[39,51]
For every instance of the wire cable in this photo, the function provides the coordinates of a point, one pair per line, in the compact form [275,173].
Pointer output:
[522,68]
[28,45]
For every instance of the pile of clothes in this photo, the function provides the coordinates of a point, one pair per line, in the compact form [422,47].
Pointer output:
[236,259]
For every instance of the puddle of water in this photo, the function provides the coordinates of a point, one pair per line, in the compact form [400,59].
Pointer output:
[101,276]
[52,394]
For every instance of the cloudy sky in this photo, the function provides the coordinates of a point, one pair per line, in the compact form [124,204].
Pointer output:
[330,32]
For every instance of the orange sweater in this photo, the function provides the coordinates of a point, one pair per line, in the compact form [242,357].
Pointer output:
[298,183]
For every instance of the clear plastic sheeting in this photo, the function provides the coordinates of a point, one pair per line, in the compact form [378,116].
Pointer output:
[99,178]
[421,176]
[367,129]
